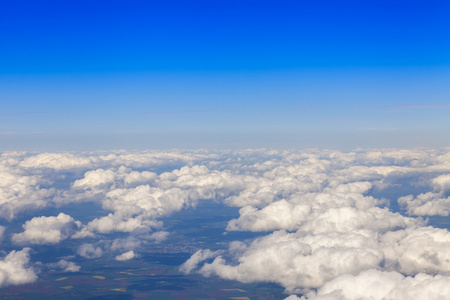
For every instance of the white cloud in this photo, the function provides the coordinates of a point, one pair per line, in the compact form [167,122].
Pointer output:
[125,256]
[196,258]
[139,177]
[58,161]
[339,228]
[47,230]
[66,266]
[14,269]
[276,215]
[427,204]
[317,201]
[20,192]
[378,285]
[89,251]
[159,236]
[116,222]
[296,261]
[129,243]
[95,178]
[417,250]
[442,183]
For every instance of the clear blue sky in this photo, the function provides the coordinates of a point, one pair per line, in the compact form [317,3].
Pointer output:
[90,75]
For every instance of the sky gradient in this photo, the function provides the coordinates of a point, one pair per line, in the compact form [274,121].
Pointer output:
[83,75]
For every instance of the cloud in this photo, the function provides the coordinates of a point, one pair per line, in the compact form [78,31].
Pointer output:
[427,204]
[121,223]
[276,215]
[95,178]
[441,183]
[317,211]
[378,285]
[89,251]
[417,250]
[299,261]
[14,269]
[66,266]
[198,257]
[125,256]
[21,192]
[329,225]
[430,203]
[47,230]
[58,161]
[159,236]
[129,243]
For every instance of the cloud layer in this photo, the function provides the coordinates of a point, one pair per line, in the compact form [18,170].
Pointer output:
[326,219]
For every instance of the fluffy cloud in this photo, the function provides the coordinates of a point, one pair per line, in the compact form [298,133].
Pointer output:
[159,236]
[299,261]
[89,251]
[129,243]
[277,215]
[148,200]
[47,230]
[378,285]
[20,192]
[417,250]
[116,222]
[66,266]
[196,258]
[57,161]
[125,256]
[95,178]
[427,204]
[338,228]
[317,208]
[442,183]
[14,269]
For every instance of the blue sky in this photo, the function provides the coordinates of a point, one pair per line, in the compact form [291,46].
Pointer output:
[84,75]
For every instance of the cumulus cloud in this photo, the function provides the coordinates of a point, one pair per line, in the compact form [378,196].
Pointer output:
[129,243]
[117,222]
[66,266]
[442,183]
[21,192]
[14,269]
[89,251]
[427,204]
[378,285]
[197,258]
[57,161]
[277,215]
[159,236]
[417,250]
[299,261]
[125,256]
[95,178]
[330,226]
[47,230]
